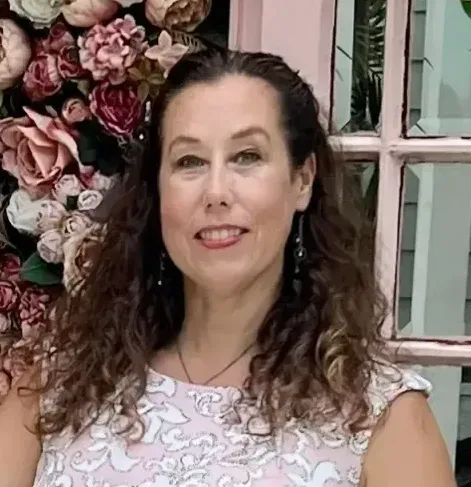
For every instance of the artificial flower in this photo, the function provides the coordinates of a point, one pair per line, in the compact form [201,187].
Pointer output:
[42,78]
[183,15]
[79,253]
[68,63]
[51,215]
[23,212]
[49,246]
[36,149]
[68,185]
[89,200]
[75,224]
[100,182]
[127,3]
[5,384]
[86,13]
[32,310]
[10,265]
[75,111]
[41,13]
[165,52]
[57,38]
[15,53]
[117,108]
[9,296]
[108,51]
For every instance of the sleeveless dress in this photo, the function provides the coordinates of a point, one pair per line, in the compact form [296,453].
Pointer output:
[188,442]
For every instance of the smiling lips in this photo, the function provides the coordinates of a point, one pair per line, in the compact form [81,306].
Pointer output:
[220,237]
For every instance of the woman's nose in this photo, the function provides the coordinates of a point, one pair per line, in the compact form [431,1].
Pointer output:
[219,187]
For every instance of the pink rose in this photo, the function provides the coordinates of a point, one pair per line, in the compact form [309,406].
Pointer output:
[117,108]
[89,200]
[108,51]
[58,37]
[86,13]
[68,63]
[36,149]
[76,223]
[9,296]
[32,310]
[68,185]
[51,215]
[74,110]
[49,246]
[15,53]
[10,265]
[42,78]
[100,182]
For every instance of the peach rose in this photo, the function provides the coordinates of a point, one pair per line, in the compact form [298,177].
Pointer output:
[75,110]
[36,149]
[15,53]
[86,13]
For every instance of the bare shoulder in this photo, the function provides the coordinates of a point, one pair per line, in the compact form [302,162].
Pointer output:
[407,448]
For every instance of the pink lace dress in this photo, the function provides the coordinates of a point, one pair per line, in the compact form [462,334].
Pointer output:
[189,442]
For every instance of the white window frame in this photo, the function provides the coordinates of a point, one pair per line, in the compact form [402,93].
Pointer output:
[304,34]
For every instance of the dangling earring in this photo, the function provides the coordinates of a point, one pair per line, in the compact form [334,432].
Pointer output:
[300,254]
[160,281]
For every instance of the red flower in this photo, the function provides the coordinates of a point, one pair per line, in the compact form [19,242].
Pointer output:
[57,38]
[42,78]
[9,296]
[31,313]
[117,108]
[68,63]
[9,266]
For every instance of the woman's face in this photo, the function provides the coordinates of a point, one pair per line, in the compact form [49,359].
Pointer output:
[227,189]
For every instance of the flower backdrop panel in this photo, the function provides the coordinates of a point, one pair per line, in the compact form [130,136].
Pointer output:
[77,81]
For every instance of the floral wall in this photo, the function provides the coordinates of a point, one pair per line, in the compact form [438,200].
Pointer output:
[77,82]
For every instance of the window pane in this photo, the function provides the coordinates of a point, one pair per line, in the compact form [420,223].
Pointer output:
[359,58]
[451,404]
[440,69]
[435,279]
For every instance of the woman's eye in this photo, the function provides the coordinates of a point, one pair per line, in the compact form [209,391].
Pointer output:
[190,162]
[247,157]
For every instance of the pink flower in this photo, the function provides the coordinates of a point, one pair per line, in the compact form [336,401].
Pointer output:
[117,108]
[42,78]
[51,215]
[15,53]
[49,246]
[57,38]
[68,63]
[32,310]
[108,51]
[6,322]
[5,384]
[10,265]
[100,182]
[9,296]
[36,149]
[166,53]
[86,13]
[68,185]
[74,110]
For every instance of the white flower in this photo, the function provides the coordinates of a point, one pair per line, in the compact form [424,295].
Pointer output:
[166,53]
[89,200]
[50,246]
[100,182]
[42,13]
[68,185]
[23,212]
[75,223]
[51,215]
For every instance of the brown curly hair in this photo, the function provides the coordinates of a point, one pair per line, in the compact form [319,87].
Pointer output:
[320,343]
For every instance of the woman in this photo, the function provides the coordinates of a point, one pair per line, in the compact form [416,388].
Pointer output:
[228,333]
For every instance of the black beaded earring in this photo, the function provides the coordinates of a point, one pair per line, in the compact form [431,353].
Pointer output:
[300,254]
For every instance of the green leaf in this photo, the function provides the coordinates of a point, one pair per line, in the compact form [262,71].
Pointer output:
[37,271]
[466,4]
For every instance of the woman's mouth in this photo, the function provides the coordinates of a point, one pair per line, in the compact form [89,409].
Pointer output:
[219,237]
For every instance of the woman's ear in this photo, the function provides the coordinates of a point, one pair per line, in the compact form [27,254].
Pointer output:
[304,180]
